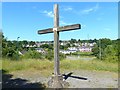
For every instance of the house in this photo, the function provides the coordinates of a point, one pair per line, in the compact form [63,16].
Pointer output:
[67,51]
[40,50]
[92,44]
[85,49]
[22,52]
[38,44]
[72,48]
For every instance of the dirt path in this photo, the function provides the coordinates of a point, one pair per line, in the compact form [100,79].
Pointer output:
[95,79]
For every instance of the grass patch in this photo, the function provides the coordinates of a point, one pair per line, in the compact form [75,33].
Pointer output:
[89,65]
[45,66]
[9,65]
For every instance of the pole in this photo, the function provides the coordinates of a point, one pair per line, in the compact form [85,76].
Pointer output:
[56,40]
[57,78]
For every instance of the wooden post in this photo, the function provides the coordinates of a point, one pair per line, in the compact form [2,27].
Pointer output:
[56,79]
[56,40]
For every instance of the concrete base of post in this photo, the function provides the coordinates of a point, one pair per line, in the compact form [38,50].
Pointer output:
[57,82]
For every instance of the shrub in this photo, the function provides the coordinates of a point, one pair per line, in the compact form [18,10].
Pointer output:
[49,55]
[62,56]
[32,54]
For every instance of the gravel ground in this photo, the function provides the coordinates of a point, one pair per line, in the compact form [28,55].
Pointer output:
[95,79]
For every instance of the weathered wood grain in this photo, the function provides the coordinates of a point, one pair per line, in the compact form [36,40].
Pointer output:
[61,29]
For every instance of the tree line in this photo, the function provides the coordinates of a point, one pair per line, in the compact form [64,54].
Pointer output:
[11,49]
[107,50]
[104,49]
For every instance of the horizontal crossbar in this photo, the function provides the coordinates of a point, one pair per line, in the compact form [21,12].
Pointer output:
[60,29]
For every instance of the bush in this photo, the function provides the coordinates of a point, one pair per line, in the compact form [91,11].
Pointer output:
[31,54]
[16,56]
[62,56]
[111,54]
[49,55]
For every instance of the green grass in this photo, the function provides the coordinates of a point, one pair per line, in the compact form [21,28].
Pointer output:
[47,66]
[89,65]
[9,65]
[83,53]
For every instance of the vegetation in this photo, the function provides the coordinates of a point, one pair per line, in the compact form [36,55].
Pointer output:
[106,50]
[43,65]
[83,53]
[32,59]
[10,49]
[32,54]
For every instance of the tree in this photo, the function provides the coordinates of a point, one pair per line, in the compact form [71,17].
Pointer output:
[32,43]
[0,44]
[73,41]
[109,50]
[4,46]
[79,41]
[91,41]
[62,47]
[95,50]
[9,50]
[104,42]
[95,40]
[25,42]
[48,46]
[111,53]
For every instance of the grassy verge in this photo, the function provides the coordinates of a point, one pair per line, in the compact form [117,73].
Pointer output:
[9,65]
[89,65]
[46,66]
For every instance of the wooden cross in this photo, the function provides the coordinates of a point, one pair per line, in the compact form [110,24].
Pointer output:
[56,31]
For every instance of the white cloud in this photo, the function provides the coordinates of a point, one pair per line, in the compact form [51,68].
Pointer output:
[92,9]
[64,23]
[68,9]
[48,13]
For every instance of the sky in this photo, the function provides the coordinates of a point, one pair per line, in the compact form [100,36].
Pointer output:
[24,19]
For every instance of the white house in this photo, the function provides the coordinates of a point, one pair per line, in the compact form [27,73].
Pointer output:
[67,51]
[72,48]
[40,50]
[85,49]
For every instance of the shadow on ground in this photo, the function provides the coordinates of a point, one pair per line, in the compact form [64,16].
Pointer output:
[9,82]
[66,76]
